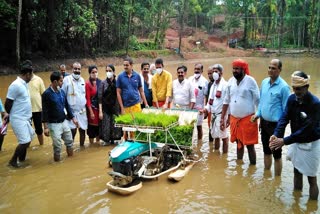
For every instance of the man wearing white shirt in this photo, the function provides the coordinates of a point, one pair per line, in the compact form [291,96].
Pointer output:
[200,88]
[243,98]
[74,87]
[18,106]
[182,91]
[214,107]
[146,79]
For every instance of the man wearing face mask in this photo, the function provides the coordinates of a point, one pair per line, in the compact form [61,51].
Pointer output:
[161,86]
[74,87]
[182,91]
[242,99]
[303,112]
[54,119]
[214,107]
[200,88]
[18,106]
[153,69]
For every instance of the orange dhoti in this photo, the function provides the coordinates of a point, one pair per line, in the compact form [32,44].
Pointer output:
[243,131]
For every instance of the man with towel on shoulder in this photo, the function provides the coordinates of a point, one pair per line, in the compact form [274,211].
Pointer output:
[242,96]
[303,112]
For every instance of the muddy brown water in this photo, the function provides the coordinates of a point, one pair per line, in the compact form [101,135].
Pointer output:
[217,184]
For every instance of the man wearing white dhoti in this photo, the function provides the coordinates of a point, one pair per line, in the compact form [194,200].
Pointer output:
[74,88]
[303,112]
[216,96]
[18,106]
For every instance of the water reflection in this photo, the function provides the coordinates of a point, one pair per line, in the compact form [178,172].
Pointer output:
[217,184]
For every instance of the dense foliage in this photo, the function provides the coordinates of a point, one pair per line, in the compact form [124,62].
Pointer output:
[69,28]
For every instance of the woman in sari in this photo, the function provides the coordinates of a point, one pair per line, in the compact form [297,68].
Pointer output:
[109,108]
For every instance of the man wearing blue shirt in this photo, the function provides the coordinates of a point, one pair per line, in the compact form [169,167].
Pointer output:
[54,104]
[303,112]
[129,89]
[274,93]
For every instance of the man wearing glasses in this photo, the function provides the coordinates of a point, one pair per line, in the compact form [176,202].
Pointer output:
[74,88]
[303,112]
[274,93]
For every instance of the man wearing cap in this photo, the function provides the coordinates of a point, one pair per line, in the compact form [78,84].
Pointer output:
[242,96]
[303,112]
[74,88]
[214,107]
[274,93]
[18,106]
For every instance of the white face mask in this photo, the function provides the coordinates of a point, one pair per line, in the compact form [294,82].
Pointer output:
[215,76]
[58,88]
[197,76]
[153,72]
[76,76]
[109,75]
[94,75]
[159,70]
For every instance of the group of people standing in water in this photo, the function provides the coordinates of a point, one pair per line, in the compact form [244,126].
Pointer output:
[71,104]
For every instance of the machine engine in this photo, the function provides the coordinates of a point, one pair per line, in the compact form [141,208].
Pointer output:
[170,158]
[128,167]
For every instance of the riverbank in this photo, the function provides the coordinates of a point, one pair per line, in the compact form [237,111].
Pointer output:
[42,64]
